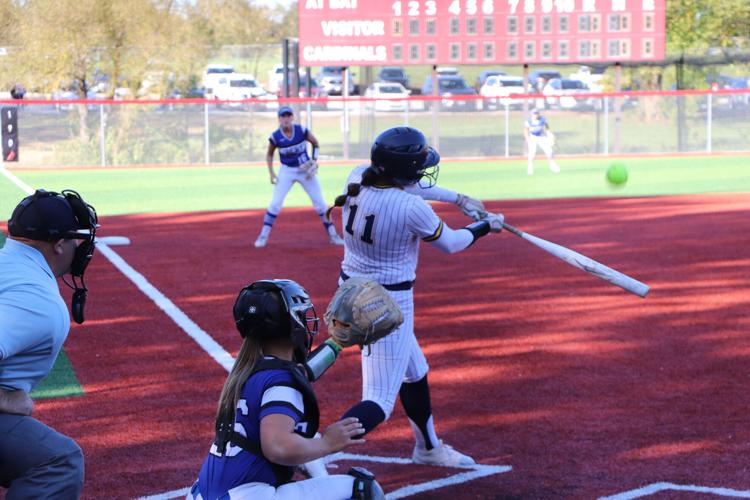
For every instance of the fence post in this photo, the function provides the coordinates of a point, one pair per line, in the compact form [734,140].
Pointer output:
[206,158]
[709,123]
[606,125]
[507,130]
[102,136]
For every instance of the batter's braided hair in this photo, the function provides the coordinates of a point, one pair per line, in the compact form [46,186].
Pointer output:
[370,177]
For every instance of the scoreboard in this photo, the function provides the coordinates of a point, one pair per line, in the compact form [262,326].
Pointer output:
[403,32]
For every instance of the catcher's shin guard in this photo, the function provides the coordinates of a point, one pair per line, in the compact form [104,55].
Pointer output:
[365,487]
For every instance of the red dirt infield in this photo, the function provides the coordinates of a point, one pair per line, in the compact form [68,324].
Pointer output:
[583,389]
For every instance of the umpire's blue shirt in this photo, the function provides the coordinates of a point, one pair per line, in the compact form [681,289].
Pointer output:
[34,321]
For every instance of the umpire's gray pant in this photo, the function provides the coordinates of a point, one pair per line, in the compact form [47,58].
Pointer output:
[38,462]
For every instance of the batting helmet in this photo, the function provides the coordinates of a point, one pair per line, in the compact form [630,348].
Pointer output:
[403,155]
[282,309]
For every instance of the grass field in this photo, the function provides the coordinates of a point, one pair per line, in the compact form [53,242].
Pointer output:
[116,191]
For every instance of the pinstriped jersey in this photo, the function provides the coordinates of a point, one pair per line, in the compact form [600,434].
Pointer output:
[382,229]
[292,150]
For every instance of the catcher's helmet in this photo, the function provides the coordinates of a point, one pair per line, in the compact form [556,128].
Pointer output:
[279,308]
[402,154]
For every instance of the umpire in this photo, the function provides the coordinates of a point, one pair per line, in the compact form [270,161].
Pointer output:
[51,235]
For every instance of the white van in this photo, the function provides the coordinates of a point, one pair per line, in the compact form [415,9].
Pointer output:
[213,75]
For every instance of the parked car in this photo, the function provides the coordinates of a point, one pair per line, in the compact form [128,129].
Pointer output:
[730,101]
[452,85]
[482,78]
[214,73]
[237,86]
[394,74]
[539,78]
[446,70]
[332,80]
[390,96]
[562,92]
[497,88]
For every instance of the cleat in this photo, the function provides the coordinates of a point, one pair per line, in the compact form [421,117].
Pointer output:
[554,168]
[443,455]
[335,239]
[261,241]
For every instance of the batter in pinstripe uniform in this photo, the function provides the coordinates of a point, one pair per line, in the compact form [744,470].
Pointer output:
[385,216]
[296,166]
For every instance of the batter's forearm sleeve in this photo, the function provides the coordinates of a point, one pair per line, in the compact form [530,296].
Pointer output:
[435,193]
[478,229]
[453,241]
[321,359]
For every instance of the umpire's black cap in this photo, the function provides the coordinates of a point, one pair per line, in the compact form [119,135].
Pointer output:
[43,216]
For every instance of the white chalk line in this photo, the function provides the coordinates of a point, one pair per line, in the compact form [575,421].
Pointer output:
[471,472]
[657,487]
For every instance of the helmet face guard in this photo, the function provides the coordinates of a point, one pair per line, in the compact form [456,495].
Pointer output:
[270,309]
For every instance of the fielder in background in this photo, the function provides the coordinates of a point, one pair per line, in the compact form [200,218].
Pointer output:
[51,235]
[268,415]
[537,133]
[384,220]
[296,166]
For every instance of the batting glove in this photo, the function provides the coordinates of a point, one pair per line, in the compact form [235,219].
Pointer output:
[495,221]
[471,207]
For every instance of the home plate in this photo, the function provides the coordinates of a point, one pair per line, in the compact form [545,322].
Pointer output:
[114,240]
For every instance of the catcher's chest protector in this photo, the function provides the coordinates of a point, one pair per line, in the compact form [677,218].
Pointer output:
[224,431]
[312,412]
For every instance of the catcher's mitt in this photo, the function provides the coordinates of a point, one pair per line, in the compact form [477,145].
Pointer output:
[361,312]
[310,167]
[471,207]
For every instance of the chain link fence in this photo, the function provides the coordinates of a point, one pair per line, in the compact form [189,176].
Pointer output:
[103,133]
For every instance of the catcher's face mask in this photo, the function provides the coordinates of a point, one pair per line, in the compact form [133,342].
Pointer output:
[51,216]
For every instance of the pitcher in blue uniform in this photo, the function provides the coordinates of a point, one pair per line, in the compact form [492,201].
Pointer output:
[297,165]
[268,415]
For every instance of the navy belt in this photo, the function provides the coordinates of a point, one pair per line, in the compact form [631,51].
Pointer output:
[396,287]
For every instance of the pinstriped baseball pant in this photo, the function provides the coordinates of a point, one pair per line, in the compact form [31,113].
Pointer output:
[393,359]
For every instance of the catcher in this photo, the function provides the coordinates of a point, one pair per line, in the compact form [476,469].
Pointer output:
[268,416]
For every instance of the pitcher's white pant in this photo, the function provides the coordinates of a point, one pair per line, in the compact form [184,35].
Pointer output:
[393,359]
[543,142]
[335,487]
[286,178]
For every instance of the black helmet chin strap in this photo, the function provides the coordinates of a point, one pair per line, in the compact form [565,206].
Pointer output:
[88,221]
[78,302]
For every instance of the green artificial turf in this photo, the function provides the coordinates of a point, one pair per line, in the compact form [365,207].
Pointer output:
[168,189]
[61,381]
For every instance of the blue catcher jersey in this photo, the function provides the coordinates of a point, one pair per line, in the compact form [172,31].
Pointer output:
[292,150]
[536,126]
[265,393]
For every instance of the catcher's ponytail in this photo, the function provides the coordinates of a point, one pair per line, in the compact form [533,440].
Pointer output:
[369,177]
